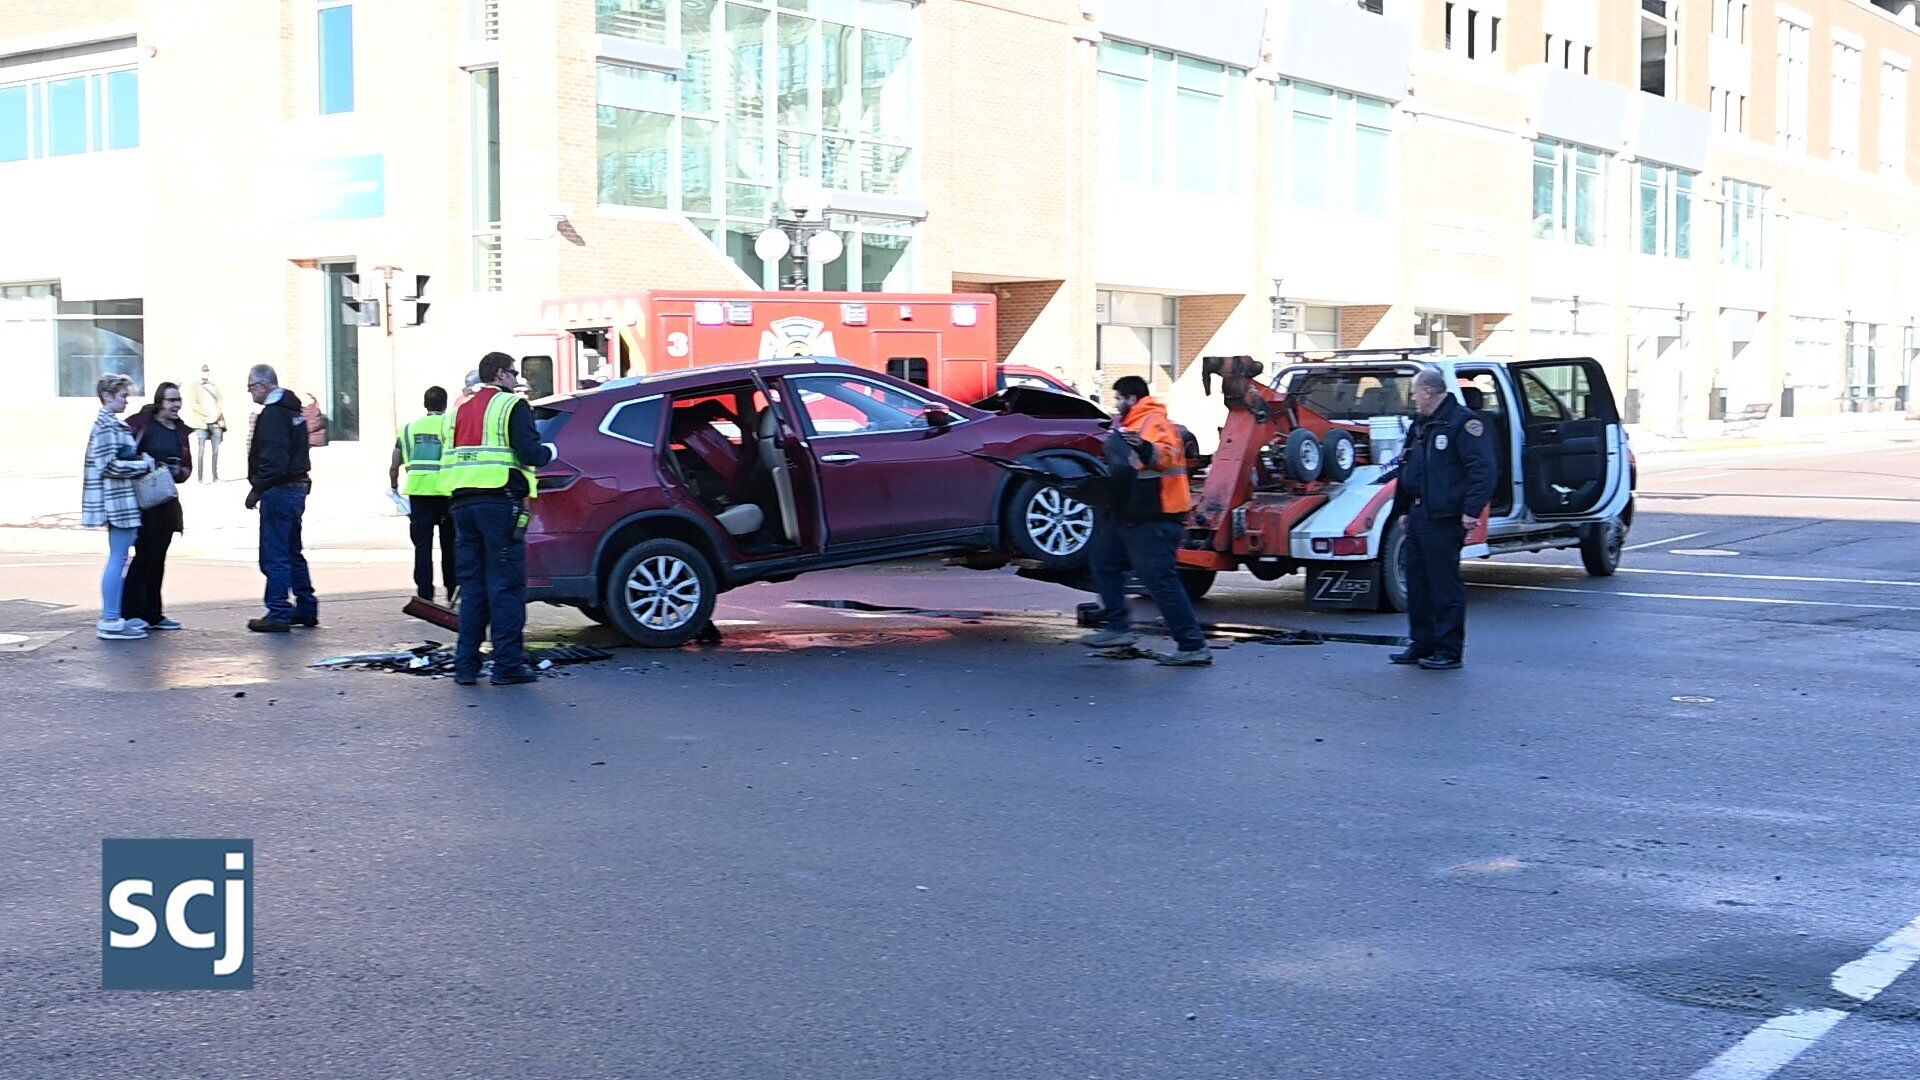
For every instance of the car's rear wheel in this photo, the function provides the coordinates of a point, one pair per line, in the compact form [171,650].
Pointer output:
[1601,545]
[1049,526]
[1197,582]
[1393,567]
[661,593]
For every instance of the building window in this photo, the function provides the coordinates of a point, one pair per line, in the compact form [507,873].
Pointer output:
[85,338]
[1846,103]
[1666,212]
[1729,111]
[1730,20]
[1474,31]
[1660,48]
[764,97]
[1813,352]
[1136,336]
[487,269]
[336,57]
[1568,54]
[1333,149]
[73,114]
[1569,193]
[1865,378]
[1893,120]
[1169,121]
[1794,44]
[1743,229]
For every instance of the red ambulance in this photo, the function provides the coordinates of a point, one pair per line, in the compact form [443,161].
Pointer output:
[945,342]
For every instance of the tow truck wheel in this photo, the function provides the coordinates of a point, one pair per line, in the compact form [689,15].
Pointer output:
[1196,582]
[1338,451]
[1393,567]
[1304,458]
[1600,547]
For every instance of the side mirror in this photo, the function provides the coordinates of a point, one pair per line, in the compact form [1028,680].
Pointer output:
[938,419]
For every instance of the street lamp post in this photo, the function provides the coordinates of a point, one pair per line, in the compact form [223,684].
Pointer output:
[803,229]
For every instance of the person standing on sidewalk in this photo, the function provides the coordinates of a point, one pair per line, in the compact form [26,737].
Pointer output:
[159,433]
[489,473]
[205,415]
[278,481]
[420,447]
[107,499]
[1142,529]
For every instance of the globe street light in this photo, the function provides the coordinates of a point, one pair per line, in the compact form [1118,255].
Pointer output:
[803,232]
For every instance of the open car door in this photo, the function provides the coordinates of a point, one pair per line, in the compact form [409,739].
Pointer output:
[789,461]
[1573,451]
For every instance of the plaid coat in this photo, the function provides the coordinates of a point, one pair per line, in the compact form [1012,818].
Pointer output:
[106,495]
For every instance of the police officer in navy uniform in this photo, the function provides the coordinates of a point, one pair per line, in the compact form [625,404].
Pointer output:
[1446,482]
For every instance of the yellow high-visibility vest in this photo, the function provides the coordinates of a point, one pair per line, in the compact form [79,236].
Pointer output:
[423,443]
[488,465]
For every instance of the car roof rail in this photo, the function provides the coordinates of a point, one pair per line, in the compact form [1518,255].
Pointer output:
[1412,354]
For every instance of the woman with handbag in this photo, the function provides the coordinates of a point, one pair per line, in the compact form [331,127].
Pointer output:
[160,434]
[107,499]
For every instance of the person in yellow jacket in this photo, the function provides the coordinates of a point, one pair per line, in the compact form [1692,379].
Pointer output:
[1142,527]
[418,448]
[489,471]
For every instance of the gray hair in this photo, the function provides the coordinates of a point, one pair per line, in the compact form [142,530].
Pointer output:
[473,378]
[1430,378]
[263,374]
[110,384]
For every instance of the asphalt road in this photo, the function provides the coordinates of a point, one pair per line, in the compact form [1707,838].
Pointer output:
[1654,813]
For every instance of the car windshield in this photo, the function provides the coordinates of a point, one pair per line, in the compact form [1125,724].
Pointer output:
[1352,395]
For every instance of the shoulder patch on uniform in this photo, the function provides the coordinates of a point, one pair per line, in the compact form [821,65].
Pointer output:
[1476,428]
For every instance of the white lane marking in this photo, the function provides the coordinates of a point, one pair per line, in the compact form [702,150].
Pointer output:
[1768,1048]
[1772,601]
[1863,979]
[1725,574]
[1658,543]
[1704,553]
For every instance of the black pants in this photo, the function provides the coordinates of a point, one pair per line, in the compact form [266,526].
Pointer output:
[432,512]
[1436,595]
[1147,547]
[148,569]
[493,586]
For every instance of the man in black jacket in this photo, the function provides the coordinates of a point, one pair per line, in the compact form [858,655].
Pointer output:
[489,471]
[1446,482]
[278,482]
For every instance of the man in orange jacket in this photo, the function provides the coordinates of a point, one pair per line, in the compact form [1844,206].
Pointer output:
[1143,527]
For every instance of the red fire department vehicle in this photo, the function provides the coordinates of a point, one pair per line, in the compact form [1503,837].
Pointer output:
[945,342]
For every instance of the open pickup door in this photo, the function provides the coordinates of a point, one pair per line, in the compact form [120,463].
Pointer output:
[1571,442]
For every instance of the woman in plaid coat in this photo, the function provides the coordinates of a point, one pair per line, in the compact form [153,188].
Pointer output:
[107,498]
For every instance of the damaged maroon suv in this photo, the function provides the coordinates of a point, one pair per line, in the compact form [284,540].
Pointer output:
[669,489]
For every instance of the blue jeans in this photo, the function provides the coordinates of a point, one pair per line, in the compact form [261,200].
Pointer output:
[1148,548]
[493,587]
[113,580]
[281,559]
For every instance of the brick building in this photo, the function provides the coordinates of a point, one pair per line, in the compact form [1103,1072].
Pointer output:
[1718,198]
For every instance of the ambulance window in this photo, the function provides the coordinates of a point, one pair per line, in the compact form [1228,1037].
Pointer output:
[537,373]
[911,369]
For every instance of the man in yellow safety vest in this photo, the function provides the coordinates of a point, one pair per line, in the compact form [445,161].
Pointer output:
[488,471]
[419,448]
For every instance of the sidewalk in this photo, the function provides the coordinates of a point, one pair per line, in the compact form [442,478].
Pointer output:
[349,517]
[1837,432]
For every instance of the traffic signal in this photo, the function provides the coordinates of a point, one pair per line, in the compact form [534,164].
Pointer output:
[357,308]
[414,304]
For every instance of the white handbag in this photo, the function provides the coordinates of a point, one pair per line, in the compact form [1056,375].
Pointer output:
[155,488]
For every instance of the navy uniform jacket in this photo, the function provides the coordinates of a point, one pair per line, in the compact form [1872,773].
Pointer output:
[1450,464]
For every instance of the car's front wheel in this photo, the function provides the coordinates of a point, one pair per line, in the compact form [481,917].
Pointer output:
[1601,545]
[661,593]
[1049,526]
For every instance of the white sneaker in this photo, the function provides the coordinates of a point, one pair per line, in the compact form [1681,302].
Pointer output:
[117,630]
[137,624]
